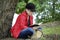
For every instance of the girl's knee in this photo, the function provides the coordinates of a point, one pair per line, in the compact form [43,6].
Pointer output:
[31,30]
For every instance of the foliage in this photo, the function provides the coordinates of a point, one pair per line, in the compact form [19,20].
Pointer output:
[20,7]
[50,9]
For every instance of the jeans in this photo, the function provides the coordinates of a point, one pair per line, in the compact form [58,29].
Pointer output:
[25,33]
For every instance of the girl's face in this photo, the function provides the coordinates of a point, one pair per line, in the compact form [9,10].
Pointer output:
[29,12]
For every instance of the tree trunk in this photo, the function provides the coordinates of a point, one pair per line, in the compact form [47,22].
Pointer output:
[7,9]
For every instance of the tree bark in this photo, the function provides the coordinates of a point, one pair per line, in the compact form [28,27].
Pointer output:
[7,9]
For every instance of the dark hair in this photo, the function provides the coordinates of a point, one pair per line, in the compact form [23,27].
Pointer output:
[30,6]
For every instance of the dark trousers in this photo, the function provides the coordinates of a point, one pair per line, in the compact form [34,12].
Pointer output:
[26,33]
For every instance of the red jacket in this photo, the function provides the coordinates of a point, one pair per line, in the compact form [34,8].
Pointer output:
[21,23]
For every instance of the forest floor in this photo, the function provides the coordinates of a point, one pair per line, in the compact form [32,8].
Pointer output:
[51,32]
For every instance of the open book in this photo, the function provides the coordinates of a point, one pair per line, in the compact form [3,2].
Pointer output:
[34,25]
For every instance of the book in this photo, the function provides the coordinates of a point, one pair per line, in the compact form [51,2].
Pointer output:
[34,25]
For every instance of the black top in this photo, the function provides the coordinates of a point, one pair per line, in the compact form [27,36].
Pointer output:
[28,21]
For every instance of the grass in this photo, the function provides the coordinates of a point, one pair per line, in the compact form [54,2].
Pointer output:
[51,30]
